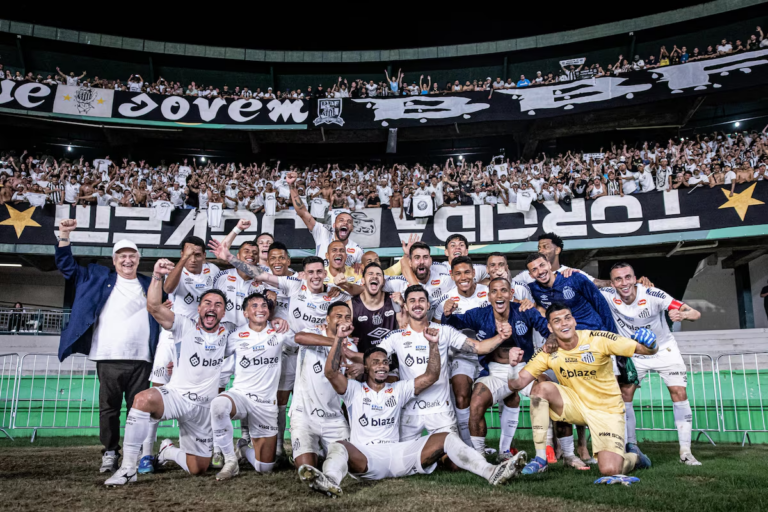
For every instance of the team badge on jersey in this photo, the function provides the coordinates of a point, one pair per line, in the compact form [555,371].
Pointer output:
[568,293]
[587,357]
[377,319]
[520,328]
[645,313]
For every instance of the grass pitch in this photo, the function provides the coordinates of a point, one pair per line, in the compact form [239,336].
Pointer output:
[62,474]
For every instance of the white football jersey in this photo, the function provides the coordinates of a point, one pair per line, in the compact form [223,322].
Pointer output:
[412,351]
[437,287]
[443,267]
[257,362]
[186,296]
[236,289]
[283,300]
[306,309]
[478,299]
[199,359]
[374,418]
[313,395]
[324,235]
[647,311]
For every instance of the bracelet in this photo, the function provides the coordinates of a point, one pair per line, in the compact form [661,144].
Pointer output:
[63,239]
[157,277]
[237,230]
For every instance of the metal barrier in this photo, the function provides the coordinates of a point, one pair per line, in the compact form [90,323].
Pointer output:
[740,384]
[653,405]
[33,321]
[9,371]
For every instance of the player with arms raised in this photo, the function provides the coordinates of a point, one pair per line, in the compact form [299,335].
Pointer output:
[634,307]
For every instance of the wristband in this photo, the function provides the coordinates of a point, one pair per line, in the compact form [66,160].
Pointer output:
[237,230]
[63,239]
[157,277]
[514,372]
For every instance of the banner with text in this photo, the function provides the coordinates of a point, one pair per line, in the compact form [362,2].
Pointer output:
[678,211]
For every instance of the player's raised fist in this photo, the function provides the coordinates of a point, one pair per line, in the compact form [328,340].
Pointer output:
[67,225]
[504,330]
[291,178]
[344,330]
[163,267]
[516,356]
[432,334]
[243,224]
[339,279]
[449,307]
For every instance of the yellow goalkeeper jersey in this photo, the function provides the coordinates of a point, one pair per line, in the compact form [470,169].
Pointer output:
[587,369]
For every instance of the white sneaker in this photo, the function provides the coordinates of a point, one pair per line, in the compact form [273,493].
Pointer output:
[121,477]
[109,462]
[317,481]
[161,453]
[217,461]
[230,470]
[688,459]
[508,469]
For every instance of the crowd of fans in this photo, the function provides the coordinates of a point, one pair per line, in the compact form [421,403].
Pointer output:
[715,159]
[397,85]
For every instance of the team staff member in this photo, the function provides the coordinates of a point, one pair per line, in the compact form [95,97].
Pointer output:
[588,394]
[110,324]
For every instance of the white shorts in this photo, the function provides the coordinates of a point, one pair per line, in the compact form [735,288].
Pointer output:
[497,381]
[261,414]
[313,435]
[227,370]
[164,354]
[464,366]
[393,460]
[287,370]
[667,362]
[411,427]
[195,431]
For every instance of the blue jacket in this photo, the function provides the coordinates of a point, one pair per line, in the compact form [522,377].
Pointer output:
[93,284]
[589,307]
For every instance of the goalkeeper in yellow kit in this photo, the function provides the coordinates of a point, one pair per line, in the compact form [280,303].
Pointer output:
[586,393]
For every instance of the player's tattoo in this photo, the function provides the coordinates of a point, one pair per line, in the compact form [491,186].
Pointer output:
[249,270]
[336,362]
[433,366]
[469,347]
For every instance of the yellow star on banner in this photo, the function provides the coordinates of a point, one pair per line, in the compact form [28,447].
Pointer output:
[741,201]
[100,101]
[67,97]
[20,220]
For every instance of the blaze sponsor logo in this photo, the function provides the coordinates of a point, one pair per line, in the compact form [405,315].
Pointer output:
[482,294]
[317,367]
[584,374]
[642,302]
[231,278]
[244,334]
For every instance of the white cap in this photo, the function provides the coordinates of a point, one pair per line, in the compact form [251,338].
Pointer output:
[124,244]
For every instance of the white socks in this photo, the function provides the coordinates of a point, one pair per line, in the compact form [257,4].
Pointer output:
[245,432]
[509,418]
[566,444]
[221,409]
[280,429]
[148,447]
[684,424]
[550,433]
[467,458]
[178,456]
[336,464]
[136,430]
[463,418]
[631,422]
[478,443]
[260,467]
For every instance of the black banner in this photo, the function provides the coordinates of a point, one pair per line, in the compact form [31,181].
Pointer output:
[526,103]
[711,213]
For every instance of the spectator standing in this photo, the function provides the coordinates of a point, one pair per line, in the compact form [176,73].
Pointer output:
[110,324]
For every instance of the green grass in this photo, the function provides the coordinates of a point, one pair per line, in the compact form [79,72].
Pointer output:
[62,473]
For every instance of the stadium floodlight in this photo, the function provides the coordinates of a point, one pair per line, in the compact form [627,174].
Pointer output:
[461,157]
[10,264]
[69,148]
[736,124]
[202,159]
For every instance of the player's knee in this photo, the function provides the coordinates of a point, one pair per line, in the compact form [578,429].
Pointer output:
[678,394]
[221,407]
[512,400]
[144,401]
[197,469]
[610,469]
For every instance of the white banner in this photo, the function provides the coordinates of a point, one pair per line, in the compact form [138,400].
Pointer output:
[422,206]
[83,101]
[501,170]
[573,62]
[593,156]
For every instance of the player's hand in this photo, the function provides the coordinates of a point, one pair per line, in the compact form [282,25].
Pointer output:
[645,282]
[67,225]
[397,298]
[243,224]
[516,355]
[358,268]
[569,272]
[526,304]
[676,315]
[340,279]
[220,250]
[279,325]
[550,345]
[334,292]
[163,267]
[500,273]
[169,369]
[412,239]
[645,337]
[354,370]
[291,178]
[432,334]
[189,251]
[449,306]
[168,304]
[504,329]
[344,330]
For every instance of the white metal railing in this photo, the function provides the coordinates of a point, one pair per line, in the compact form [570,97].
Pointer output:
[740,384]
[33,321]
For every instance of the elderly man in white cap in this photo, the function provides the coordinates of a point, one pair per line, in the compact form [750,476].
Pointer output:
[110,324]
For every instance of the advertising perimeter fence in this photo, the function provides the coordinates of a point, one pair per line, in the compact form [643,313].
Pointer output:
[37,392]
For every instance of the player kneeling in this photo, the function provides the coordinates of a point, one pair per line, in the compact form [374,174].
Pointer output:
[588,393]
[374,408]
[253,396]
